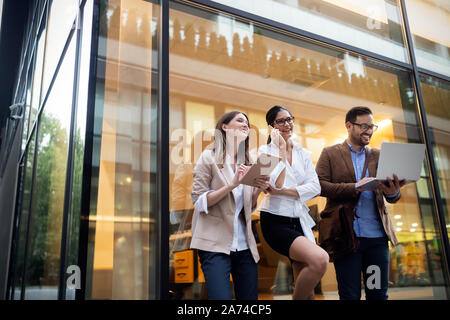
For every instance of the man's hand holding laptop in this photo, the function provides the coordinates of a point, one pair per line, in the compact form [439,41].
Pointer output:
[389,187]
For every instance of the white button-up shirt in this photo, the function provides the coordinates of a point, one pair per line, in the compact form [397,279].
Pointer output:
[239,231]
[300,175]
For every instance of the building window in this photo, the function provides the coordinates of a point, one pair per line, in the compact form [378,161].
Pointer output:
[373,25]
[436,97]
[218,64]
[123,211]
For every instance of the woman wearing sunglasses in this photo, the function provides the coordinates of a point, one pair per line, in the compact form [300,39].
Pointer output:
[285,220]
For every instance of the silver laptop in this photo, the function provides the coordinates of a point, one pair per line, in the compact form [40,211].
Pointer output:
[403,159]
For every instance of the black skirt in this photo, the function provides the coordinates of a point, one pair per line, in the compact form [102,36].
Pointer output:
[280,232]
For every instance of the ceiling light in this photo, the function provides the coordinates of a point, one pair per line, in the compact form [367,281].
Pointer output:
[384,123]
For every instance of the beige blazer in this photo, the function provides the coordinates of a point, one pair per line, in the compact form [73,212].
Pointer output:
[213,231]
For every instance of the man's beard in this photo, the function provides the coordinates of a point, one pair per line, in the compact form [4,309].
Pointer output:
[360,140]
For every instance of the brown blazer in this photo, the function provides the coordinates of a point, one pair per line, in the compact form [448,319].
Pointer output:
[337,180]
[213,231]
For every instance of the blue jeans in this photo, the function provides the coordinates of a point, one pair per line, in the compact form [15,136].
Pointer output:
[217,268]
[372,259]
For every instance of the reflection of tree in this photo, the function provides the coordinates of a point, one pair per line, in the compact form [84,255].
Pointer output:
[48,203]
[24,208]
[77,178]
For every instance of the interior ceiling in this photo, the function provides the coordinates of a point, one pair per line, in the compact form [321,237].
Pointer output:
[308,101]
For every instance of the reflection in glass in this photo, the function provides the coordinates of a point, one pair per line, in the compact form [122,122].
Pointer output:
[23,212]
[79,142]
[436,98]
[123,235]
[373,25]
[26,107]
[42,269]
[62,15]
[36,95]
[429,22]
[219,64]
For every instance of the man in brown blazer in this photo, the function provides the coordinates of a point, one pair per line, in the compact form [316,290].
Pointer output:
[341,169]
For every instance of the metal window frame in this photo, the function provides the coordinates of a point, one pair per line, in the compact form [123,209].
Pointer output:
[163,161]
[23,159]
[163,123]
[161,265]
[50,86]
[21,176]
[421,111]
[67,213]
[269,23]
[30,36]
[411,67]
[83,241]
[163,130]
[162,156]
[36,128]
[433,74]
[46,4]
[28,50]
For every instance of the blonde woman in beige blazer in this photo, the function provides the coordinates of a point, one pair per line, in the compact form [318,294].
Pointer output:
[221,225]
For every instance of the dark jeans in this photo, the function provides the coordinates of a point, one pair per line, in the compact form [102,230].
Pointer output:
[217,268]
[372,259]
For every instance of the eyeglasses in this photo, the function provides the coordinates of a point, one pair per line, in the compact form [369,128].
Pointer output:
[365,126]
[282,121]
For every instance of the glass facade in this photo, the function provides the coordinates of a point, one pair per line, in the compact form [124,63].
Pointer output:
[92,184]
[436,95]
[372,25]
[123,209]
[45,229]
[52,152]
[430,22]
[248,68]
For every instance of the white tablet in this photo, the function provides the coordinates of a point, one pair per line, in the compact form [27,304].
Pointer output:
[403,159]
[263,167]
